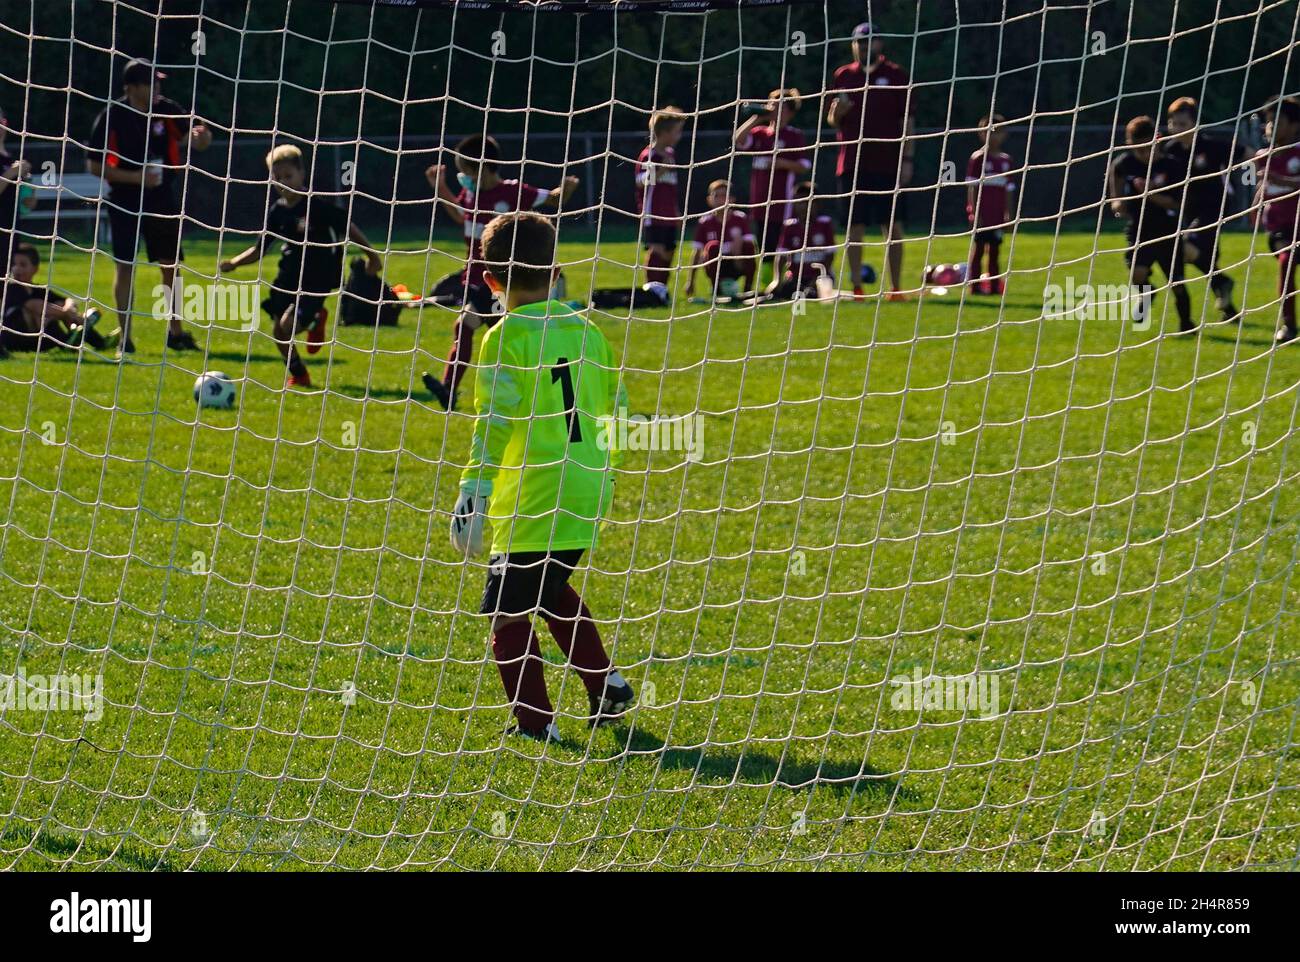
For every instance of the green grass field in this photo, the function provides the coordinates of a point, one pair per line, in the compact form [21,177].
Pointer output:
[1103,520]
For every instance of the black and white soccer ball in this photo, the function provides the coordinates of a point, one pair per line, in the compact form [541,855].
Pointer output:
[213,389]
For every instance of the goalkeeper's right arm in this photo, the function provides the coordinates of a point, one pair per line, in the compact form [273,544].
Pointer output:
[496,400]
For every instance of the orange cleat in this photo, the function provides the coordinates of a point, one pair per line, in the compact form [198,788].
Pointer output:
[858,293]
[895,295]
[298,380]
[316,336]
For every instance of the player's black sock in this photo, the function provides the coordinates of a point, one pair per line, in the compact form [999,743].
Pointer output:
[1221,285]
[462,351]
[976,258]
[296,367]
[1183,302]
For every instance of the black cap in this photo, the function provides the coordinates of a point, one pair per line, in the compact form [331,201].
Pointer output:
[140,72]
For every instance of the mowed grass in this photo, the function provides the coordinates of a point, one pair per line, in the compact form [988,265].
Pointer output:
[1103,520]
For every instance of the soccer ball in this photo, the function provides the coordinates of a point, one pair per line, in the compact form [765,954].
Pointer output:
[945,275]
[213,389]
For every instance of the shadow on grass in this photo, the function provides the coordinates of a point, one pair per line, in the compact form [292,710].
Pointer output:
[173,359]
[760,768]
[240,358]
[362,391]
[1239,339]
[61,848]
[993,303]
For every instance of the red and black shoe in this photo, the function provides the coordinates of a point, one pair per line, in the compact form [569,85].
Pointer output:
[316,336]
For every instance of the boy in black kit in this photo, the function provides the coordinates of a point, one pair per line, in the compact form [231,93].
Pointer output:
[314,230]
[1145,189]
[1204,163]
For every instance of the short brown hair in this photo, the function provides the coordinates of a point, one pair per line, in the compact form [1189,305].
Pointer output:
[1287,108]
[26,250]
[479,152]
[1183,105]
[519,250]
[1140,130]
[790,96]
[666,117]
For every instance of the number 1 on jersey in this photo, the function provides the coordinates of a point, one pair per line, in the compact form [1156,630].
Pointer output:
[562,374]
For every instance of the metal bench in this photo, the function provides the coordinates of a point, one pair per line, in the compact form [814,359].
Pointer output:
[72,197]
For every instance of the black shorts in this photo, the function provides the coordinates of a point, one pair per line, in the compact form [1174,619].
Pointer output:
[478,297]
[872,199]
[795,282]
[161,233]
[661,234]
[1204,239]
[1165,251]
[306,306]
[17,339]
[523,581]
[770,234]
[452,291]
[1280,242]
[15,334]
[989,235]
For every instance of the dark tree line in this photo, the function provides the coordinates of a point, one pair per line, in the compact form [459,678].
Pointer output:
[351,71]
[368,78]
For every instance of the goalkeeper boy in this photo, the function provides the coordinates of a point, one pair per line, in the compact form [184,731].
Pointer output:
[540,469]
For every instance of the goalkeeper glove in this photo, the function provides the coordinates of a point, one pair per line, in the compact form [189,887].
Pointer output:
[469,516]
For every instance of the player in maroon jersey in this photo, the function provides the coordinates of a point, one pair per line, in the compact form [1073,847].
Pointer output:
[806,248]
[483,195]
[1278,170]
[724,244]
[657,202]
[989,189]
[869,107]
[780,159]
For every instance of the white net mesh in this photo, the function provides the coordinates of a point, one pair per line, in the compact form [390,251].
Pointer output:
[988,578]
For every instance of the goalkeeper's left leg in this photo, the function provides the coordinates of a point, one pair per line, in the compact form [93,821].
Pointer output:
[570,621]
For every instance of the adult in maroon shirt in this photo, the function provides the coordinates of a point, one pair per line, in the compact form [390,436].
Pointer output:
[869,107]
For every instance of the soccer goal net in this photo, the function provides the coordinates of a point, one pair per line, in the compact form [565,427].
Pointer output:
[897,467]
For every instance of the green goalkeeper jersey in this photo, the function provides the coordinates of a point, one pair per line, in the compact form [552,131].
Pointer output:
[547,393]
